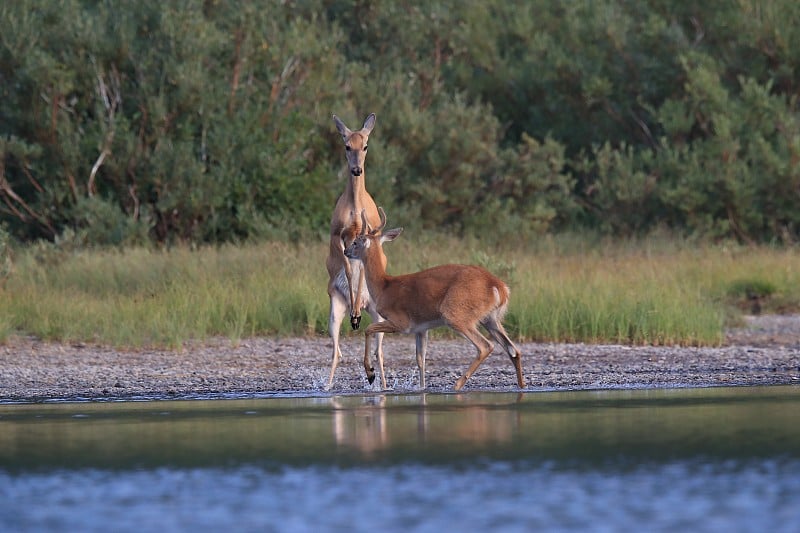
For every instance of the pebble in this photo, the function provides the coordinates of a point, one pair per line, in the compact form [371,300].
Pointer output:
[766,351]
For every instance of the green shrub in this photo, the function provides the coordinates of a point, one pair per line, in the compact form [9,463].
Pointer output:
[209,122]
[750,294]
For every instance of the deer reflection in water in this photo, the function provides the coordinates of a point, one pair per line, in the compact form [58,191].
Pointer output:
[362,427]
[375,424]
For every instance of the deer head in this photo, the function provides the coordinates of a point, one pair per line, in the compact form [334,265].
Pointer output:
[355,143]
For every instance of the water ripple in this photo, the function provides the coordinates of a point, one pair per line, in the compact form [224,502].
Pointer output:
[498,496]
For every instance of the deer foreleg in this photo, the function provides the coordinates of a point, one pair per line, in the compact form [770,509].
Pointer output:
[348,274]
[376,328]
[422,348]
[358,299]
[370,371]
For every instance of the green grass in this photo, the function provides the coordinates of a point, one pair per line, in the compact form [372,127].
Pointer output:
[562,290]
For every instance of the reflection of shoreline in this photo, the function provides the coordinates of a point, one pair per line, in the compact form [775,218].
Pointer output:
[373,425]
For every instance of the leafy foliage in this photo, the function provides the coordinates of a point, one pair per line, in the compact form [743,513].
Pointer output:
[197,122]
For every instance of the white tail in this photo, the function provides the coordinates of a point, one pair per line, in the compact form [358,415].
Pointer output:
[346,286]
[458,296]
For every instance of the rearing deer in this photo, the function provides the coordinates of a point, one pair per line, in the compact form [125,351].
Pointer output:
[346,286]
[458,296]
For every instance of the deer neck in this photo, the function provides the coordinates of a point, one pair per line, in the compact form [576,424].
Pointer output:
[375,270]
[356,191]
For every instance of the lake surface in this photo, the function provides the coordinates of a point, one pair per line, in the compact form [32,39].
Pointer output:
[719,459]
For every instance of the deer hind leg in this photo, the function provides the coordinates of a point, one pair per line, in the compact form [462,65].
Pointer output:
[422,348]
[498,332]
[484,347]
[338,309]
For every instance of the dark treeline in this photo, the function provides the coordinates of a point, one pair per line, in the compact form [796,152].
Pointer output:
[140,121]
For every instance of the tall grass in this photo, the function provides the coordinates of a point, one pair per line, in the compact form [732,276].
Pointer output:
[628,299]
[143,297]
[650,293]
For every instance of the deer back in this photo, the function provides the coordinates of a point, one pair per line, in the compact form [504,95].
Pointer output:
[457,293]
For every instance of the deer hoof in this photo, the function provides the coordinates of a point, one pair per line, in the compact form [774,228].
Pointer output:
[355,321]
[371,375]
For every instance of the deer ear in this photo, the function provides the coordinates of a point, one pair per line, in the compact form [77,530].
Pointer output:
[344,131]
[369,123]
[390,235]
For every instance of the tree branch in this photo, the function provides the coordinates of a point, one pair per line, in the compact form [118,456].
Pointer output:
[111,98]
[237,68]
[10,195]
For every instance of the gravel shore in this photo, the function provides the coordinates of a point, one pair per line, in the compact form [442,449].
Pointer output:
[764,352]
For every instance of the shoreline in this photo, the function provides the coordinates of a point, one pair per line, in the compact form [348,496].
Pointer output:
[766,351]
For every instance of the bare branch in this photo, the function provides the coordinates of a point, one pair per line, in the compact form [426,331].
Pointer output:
[237,69]
[699,32]
[73,186]
[93,174]
[10,195]
[109,93]
[30,177]
[132,192]
[645,129]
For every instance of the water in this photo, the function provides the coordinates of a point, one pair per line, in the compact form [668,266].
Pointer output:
[660,460]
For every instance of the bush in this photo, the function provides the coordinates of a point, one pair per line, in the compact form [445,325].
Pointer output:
[750,294]
[207,122]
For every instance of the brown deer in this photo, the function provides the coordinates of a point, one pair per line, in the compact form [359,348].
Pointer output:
[346,287]
[458,296]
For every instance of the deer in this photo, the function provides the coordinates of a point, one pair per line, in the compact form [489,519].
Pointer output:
[461,297]
[346,286]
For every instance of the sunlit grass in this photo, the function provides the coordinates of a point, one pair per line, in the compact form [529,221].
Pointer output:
[562,291]
[625,299]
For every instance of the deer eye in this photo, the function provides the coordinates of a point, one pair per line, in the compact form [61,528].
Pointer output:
[365,147]
[346,147]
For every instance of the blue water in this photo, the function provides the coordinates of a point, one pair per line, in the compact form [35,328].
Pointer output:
[696,496]
[700,460]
